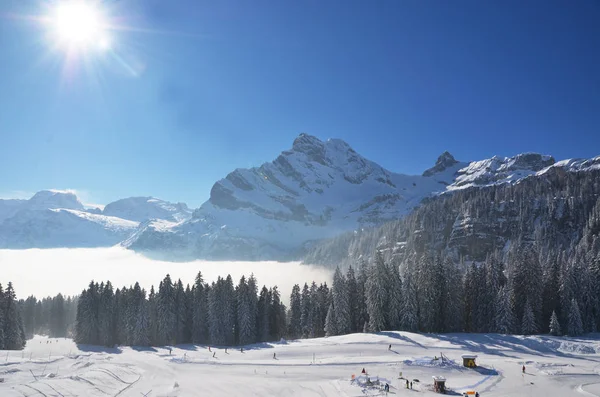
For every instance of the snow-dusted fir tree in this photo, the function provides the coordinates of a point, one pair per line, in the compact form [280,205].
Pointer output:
[353,298]
[58,325]
[141,336]
[200,311]
[295,313]
[574,325]
[453,309]
[528,325]
[246,319]
[504,322]
[216,309]
[263,319]
[1,318]
[306,316]
[180,313]
[253,298]
[341,301]
[14,335]
[362,316]
[330,322]
[377,295]
[152,317]
[106,316]
[554,325]
[277,316]
[395,301]
[166,312]
[410,319]
[229,315]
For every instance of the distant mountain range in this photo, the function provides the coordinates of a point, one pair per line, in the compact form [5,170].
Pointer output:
[314,191]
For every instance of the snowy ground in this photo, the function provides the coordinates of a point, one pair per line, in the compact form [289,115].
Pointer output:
[554,367]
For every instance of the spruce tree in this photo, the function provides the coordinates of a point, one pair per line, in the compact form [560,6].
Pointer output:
[306,310]
[554,325]
[528,325]
[575,325]
[504,321]
[341,301]
[330,322]
[13,333]
[200,311]
[167,317]
[295,314]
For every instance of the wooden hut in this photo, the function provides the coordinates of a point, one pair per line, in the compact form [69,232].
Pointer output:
[439,384]
[469,360]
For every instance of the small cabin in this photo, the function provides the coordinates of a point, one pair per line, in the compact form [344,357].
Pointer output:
[439,384]
[469,360]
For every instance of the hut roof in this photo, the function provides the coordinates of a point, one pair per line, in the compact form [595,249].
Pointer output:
[469,356]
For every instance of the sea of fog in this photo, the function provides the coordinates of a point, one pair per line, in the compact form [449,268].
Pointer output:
[46,272]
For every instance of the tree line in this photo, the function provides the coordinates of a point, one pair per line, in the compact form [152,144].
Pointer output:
[219,313]
[12,333]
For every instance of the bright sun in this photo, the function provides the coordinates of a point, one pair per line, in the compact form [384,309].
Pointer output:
[78,23]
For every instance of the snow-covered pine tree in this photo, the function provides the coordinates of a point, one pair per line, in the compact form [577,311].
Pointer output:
[58,326]
[246,319]
[377,295]
[330,322]
[188,324]
[180,313]
[295,313]
[341,302]
[453,310]
[410,319]
[216,313]
[1,318]
[13,334]
[253,298]
[306,316]
[395,298]
[200,311]
[504,321]
[574,325]
[353,298]
[106,324]
[554,325]
[166,312]
[262,318]
[229,315]
[362,316]
[277,315]
[152,317]
[528,325]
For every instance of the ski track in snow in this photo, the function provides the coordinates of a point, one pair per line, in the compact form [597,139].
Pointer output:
[191,371]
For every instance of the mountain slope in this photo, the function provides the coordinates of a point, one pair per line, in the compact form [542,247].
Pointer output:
[314,191]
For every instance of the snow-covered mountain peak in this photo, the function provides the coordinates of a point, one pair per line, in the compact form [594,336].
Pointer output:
[140,209]
[501,169]
[51,199]
[444,161]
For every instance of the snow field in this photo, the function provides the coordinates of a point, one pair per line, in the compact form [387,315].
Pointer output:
[317,367]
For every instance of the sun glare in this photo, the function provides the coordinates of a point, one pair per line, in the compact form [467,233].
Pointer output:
[78,23]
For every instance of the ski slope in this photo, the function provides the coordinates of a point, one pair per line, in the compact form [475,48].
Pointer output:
[554,367]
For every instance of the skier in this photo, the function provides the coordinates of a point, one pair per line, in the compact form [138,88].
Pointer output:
[226,351]
[523,369]
[241,349]
[411,385]
[170,351]
[389,347]
[407,383]
[209,349]
[476,394]
[214,354]
[274,356]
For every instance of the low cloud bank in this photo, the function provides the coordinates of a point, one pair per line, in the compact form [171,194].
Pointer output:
[46,272]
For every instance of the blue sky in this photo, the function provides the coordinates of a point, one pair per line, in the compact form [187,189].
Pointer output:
[192,89]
